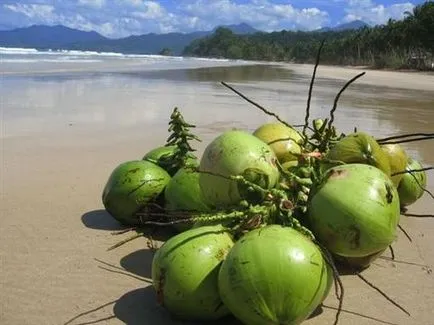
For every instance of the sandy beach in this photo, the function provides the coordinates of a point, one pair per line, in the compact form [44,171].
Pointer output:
[63,134]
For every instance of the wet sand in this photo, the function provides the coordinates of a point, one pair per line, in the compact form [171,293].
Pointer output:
[62,135]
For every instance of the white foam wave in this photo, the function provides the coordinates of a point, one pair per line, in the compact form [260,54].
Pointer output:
[33,56]
[32,51]
[10,50]
[16,50]
[87,53]
[47,60]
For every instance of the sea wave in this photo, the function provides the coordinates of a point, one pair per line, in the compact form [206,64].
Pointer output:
[76,54]
[46,60]
[32,51]
[17,50]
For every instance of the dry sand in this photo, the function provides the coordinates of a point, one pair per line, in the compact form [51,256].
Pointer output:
[54,236]
[396,79]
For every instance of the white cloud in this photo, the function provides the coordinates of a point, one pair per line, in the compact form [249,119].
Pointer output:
[118,18]
[28,14]
[373,13]
[360,3]
[92,3]
[36,11]
[262,14]
[134,3]
[151,10]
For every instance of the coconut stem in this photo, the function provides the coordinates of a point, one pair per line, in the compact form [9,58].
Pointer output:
[127,240]
[409,171]
[382,293]
[405,233]
[266,111]
[338,96]
[276,207]
[121,232]
[339,286]
[380,141]
[309,97]
[218,216]
[92,311]
[392,253]
[359,315]
[404,262]
[414,215]
[330,130]
[409,140]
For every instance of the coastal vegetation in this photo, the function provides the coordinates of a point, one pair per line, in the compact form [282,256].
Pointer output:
[406,43]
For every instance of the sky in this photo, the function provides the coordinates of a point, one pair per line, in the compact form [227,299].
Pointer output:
[120,18]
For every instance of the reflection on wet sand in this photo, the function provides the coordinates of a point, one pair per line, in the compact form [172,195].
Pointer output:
[138,99]
[250,73]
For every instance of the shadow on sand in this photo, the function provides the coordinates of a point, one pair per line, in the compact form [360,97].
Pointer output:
[139,307]
[100,219]
[139,262]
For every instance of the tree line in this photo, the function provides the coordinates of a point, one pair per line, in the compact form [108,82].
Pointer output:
[406,43]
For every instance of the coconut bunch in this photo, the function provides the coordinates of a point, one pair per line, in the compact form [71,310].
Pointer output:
[263,217]
[348,190]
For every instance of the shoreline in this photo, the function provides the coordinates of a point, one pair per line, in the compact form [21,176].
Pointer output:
[366,67]
[384,78]
[403,79]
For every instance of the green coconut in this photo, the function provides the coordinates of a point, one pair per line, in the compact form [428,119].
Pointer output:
[235,153]
[283,140]
[183,193]
[274,275]
[163,157]
[185,273]
[156,154]
[412,185]
[130,187]
[359,148]
[397,160]
[354,211]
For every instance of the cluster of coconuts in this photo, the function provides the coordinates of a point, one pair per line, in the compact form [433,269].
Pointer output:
[135,184]
[272,274]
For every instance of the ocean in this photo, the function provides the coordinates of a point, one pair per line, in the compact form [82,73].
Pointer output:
[27,60]
[80,92]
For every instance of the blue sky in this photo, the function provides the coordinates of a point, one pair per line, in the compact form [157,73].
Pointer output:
[118,18]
